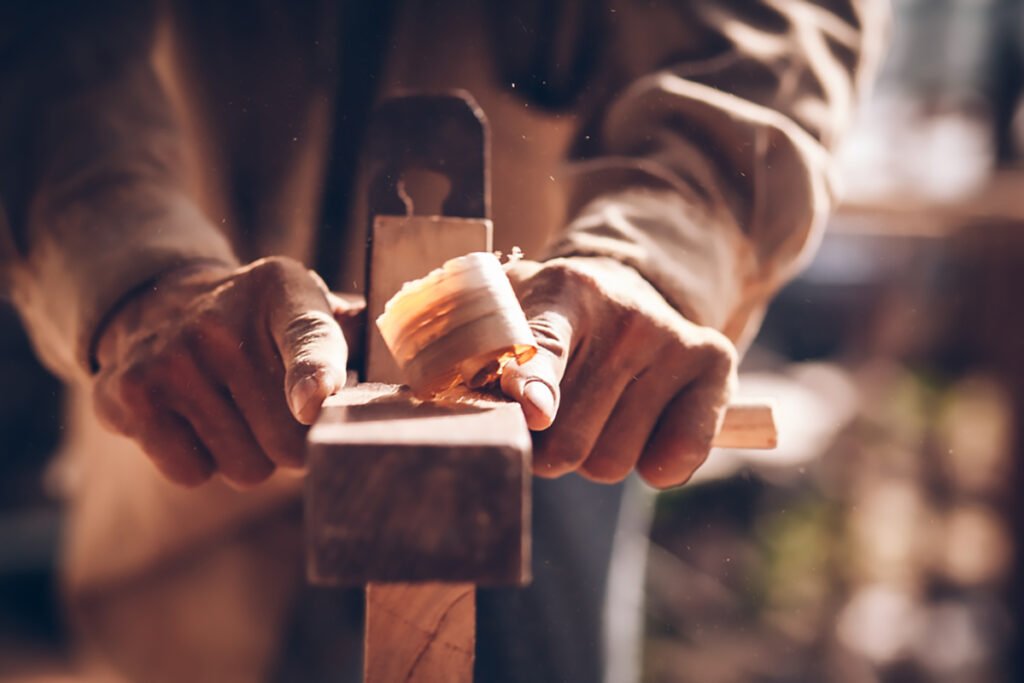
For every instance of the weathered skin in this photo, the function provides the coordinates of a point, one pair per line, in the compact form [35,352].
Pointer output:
[622,380]
[218,369]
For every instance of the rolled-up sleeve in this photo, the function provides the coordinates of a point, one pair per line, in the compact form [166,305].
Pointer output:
[92,194]
[709,170]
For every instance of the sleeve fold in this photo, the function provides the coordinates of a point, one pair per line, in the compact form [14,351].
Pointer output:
[711,171]
[92,189]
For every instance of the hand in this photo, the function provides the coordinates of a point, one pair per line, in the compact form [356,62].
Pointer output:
[622,380]
[214,369]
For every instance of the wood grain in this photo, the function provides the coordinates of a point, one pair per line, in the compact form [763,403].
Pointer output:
[748,424]
[420,633]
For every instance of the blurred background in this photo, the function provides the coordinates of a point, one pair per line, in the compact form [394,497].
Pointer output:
[882,541]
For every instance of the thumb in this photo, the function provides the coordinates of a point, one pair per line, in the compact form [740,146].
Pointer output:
[535,384]
[312,348]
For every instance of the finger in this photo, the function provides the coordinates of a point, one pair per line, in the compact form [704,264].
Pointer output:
[233,447]
[220,428]
[124,403]
[535,384]
[311,345]
[263,406]
[628,429]
[315,356]
[175,450]
[590,399]
[682,439]
[634,418]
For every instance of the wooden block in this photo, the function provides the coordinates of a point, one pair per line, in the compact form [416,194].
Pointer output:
[407,248]
[402,490]
[748,424]
[422,633]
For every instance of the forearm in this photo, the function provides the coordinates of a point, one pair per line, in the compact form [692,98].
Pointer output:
[95,196]
[710,172]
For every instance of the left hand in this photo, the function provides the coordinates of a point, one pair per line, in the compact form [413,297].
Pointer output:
[217,368]
[621,380]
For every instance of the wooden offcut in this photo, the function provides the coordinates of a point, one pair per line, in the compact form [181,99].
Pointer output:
[748,424]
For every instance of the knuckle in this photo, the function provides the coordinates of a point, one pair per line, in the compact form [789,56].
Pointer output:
[630,324]
[672,357]
[288,457]
[190,476]
[672,462]
[174,367]
[706,357]
[177,459]
[720,360]
[661,477]
[202,322]
[310,323]
[283,439]
[249,472]
[718,345]
[273,269]
[204,319]
[214,337]
[279,435]
[604,470]
[658,480]
[554,457]
[557,280]
[135,386]
[632,337]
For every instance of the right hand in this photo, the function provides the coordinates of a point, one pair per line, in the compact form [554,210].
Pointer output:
[215,369]
[622,381]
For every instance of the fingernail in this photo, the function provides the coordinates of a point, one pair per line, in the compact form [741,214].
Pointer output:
[301,393]
[541,397]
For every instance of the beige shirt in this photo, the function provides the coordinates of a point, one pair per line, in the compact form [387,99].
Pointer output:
[692,142]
